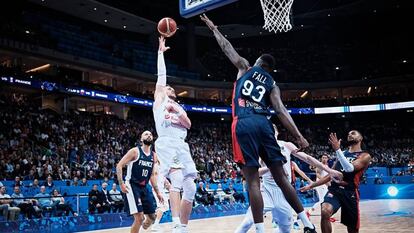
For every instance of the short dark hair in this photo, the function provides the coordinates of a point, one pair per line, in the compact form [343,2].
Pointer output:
[268,60]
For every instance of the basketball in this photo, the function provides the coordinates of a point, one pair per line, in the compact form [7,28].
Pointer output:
[167,27]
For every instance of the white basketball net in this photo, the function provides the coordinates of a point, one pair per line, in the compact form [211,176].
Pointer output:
[276,15]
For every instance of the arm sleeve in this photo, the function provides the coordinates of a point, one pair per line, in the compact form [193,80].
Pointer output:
[346,165]
[162,71]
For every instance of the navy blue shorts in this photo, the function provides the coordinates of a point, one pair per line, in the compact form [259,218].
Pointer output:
[348,201]
[253,137]
[139,199]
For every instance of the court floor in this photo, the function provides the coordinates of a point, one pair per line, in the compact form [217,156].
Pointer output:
[393,216]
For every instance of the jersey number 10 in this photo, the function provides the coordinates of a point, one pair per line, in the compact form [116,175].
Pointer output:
[144,172]
[248,87]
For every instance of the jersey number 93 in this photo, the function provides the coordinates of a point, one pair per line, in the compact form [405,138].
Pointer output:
[248,87]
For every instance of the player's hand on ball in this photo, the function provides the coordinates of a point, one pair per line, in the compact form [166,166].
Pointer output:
[124,188]
[162,47]
[336,175]
[208,22]
[335,143]
[306,188]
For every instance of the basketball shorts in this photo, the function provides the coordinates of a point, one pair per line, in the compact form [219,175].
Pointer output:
[139,199]
[253,136]
[274,201]
[348,201]
[174,153]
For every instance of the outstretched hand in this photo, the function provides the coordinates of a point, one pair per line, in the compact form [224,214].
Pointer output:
[335,143]
[306,188]
[208,22]
[162,47]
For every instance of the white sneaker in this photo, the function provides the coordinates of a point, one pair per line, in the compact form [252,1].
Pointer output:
[176,229]
[156,228]
[184,229]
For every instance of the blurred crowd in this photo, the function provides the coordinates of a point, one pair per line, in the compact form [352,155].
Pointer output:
[41,145]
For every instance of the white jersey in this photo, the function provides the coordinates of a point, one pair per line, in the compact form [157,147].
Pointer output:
[268,178]
[322,173]
[166,123]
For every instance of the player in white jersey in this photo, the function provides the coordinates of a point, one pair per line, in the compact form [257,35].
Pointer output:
[273,198]
[323,189]
[172,123]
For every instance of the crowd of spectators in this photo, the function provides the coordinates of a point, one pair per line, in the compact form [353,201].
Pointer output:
[38,147]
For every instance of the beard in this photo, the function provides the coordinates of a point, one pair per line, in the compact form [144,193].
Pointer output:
[352,142]
[147,142]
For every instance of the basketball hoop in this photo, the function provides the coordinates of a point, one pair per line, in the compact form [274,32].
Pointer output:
[277,15]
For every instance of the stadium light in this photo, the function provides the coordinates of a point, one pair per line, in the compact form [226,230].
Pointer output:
[183,93]
[392,191]
[40,68]
[304,94]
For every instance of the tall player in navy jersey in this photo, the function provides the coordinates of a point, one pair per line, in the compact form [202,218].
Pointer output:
[345,194]
[141,169]
[255,93]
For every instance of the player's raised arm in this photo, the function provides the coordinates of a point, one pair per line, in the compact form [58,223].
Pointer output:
[159,93]
[241,63]
[129,156]
[357,165]
[285,118]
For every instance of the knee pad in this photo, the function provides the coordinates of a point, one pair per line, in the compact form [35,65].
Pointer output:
[189,189]
[176,178]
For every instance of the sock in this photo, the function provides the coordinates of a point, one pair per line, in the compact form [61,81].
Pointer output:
[259,227]
[305,220]
[183,225]
[157,221]
[176,221]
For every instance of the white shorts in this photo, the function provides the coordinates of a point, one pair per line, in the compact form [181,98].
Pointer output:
[321,191]
[174,153]
[275,201]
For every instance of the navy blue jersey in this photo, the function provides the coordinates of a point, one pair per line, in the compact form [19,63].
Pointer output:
[139,170]
[351,180]
[251,93]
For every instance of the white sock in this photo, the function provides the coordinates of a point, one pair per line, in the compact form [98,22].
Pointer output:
[305,220]
[183,225]
[176,221]
[259,227]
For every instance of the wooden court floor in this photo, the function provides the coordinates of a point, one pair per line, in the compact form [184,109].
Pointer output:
[391,216]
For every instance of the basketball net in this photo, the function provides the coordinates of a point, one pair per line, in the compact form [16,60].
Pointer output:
[276,15]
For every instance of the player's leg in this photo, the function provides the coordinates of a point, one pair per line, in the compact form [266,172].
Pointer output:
[329,207]
[136,225]
[281,211]
[255,197]
[189,187]
[156,226]
[133,205]
[148,206]
[247,222]
[350,210]
[176,177]
[170,165]
[246,143]
[326,213]
[272,156]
